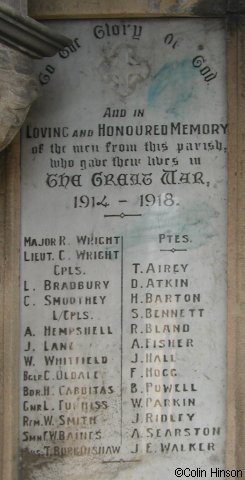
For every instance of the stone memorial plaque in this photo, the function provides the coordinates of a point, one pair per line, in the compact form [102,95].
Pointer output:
[123,255]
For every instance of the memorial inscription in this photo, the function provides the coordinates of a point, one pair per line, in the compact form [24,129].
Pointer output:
[123,253]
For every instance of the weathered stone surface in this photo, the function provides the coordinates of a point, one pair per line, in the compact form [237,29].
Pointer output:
[19,88]
[123,288]
[110,8]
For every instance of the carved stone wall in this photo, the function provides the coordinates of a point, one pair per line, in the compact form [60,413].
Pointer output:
[19,88]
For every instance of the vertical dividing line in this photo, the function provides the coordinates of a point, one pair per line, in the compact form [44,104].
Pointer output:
[121,340]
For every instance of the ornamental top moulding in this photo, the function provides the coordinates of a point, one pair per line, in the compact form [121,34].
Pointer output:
[27,35]
[21,40]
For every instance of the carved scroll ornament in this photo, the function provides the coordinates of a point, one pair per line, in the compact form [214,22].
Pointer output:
[22,39]
[18,89]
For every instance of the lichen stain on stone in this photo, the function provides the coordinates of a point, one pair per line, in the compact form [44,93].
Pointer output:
[32,462]
[154,5]
[40,467]
[124,70]
[199,7]
[209,7]
[161,94]
[197,220]
[182,6]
